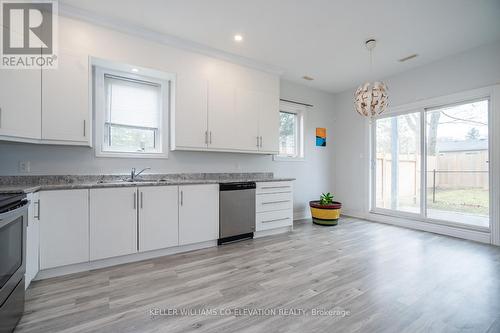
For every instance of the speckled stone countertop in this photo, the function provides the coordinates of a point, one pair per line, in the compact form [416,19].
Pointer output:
[29,184]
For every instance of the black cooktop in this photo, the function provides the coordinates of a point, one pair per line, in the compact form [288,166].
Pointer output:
[10,199]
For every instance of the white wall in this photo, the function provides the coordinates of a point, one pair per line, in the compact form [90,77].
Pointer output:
[314,175]
[473,69]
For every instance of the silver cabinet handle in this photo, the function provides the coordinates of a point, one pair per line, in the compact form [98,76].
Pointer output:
[142,199]
[84,128]
[274,202]
[135,200]
[261,142]
[258,145]
[206,137]
[271,187]
[37,203]
[275,220]
[210,137]
[182,198]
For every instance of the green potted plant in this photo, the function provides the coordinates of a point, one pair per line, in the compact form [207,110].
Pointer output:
[325,211]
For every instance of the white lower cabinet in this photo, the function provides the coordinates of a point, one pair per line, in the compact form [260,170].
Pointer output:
[113,222]
[158,217]
[198,213]
[78,226]
[273,205]
[64,228]
[32,239]
[274,219]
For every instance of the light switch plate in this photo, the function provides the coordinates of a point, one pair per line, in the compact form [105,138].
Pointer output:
[24,166]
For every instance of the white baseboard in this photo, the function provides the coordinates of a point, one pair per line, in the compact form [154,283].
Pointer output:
[301,214]
[87,266]
[473,235]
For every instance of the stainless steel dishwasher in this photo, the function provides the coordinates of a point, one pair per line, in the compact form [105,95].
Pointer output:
[237,211]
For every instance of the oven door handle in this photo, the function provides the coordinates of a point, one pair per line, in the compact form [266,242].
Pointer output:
[5,218]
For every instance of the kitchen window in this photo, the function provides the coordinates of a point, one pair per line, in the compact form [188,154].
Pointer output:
[131,114]
[291,136]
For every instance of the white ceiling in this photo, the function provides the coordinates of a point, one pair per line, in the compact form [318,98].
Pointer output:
[319,38]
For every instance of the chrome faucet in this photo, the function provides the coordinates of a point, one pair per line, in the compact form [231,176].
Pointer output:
[134,175]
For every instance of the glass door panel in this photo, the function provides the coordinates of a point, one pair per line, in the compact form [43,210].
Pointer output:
[397,163]
[457,175]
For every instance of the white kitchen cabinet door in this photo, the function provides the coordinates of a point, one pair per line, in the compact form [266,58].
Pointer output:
[32,238]
[65,100]
[233,117]
[246,120]
[198,213]
[158,217]
[269,123]
[20,104]
[64,228]
[222,116]
[113,222]
[189,121]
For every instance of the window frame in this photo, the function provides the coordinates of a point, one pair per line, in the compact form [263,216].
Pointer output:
[423,107]
[166,83]
[300,112]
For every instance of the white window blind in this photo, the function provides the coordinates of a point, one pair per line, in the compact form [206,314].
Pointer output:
[132,114]
[132,103]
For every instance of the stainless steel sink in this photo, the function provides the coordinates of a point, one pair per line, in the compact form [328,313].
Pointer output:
[128,180]
[138,180]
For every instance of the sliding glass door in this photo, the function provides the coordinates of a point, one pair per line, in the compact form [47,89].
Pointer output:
[442,150]
[397,163]
[457,163]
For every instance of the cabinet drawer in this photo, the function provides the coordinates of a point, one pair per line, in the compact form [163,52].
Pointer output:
[273,187]
[273,201]
[272,220]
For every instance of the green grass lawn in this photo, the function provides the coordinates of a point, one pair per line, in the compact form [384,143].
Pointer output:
[470,200]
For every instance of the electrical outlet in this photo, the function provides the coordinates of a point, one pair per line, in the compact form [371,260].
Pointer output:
[24,166]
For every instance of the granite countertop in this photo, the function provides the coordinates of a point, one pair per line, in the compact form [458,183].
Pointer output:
[29,184]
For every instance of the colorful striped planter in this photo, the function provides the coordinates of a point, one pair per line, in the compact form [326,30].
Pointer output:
[325,214]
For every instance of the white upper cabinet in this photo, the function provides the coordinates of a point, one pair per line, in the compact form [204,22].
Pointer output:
[221,116]
[246,119]
[47,105]
[20,104]
[269,122]
[198,213]
[113,222]
[158,217]
[65,100]
[234,110]
[190,115]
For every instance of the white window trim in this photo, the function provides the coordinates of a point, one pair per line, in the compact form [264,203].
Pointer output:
[300,111]
[167,83]
[427,224]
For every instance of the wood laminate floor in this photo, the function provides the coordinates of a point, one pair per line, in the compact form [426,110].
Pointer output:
[374,278]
